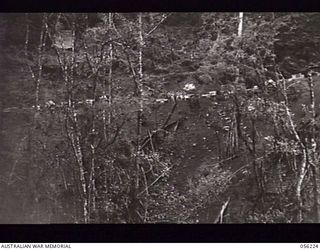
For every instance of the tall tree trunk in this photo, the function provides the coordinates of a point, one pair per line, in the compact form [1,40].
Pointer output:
[74,135]
[80,157]
[41,46]
[240,26]
[36,75]
[92,190]
[71,117]
[303,167]
[110,18]
[108,84]
[314,159]
[139,113]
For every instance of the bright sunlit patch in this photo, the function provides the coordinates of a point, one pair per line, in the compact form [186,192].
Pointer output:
[189,86]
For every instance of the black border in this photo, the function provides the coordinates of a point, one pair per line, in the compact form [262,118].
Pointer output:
[170,233]
[157,5]
[260,233]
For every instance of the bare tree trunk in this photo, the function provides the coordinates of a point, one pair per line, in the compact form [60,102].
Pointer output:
[110,97]
[41,46]
[219,219]
[240,26]
[110,70]
[92,191]
[313,161]
[301,176]
[71,118]
[108,81]
[140,95]
[303,168]
[36,74]
[77,141]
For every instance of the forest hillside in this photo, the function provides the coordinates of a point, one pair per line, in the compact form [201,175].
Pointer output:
[159,118]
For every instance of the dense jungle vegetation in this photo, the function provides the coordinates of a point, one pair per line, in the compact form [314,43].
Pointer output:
[159,117]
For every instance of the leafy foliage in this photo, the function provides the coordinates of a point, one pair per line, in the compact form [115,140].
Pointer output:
[128,118]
